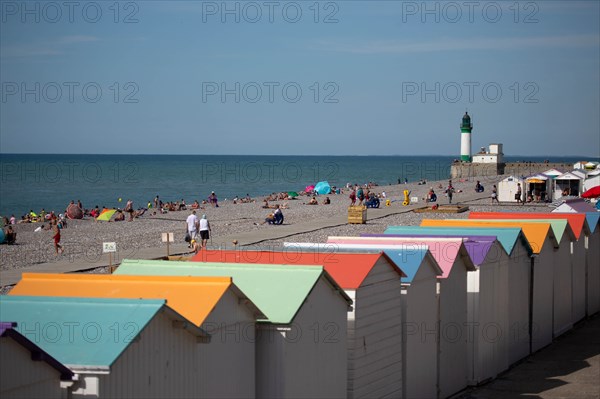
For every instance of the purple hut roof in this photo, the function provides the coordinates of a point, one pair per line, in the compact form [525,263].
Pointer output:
[477,246]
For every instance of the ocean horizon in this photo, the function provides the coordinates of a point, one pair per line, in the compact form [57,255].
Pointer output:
[51,181]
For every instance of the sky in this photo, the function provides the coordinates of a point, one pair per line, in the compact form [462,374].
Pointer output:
[299,77]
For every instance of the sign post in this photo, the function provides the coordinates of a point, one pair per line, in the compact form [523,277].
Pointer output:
[168,238]
[109,247]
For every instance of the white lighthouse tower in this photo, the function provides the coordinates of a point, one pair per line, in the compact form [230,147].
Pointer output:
[465,138]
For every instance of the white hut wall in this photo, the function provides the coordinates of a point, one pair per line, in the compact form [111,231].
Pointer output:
[25,378]
[593,267]
[310,359]
[375,339]
[578,262]
[421,315]
[229,360]
[543,282]
[488,317]
[157,364]
[453,365]
[563,294]
[519,278]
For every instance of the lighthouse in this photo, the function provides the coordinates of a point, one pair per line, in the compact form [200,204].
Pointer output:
[465,138]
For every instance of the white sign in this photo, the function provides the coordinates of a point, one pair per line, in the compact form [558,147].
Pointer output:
[414,200]
[168,237]
[109,247]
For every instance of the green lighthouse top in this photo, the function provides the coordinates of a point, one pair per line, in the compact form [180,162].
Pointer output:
[466,122]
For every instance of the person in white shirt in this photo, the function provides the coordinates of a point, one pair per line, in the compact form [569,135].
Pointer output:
[193,225]
[204,230]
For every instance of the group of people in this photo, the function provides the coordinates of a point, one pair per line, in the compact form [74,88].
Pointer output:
[370,199]
[198,231]
[314,201]
[244,200]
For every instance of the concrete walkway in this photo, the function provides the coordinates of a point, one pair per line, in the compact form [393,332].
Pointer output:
[568,368]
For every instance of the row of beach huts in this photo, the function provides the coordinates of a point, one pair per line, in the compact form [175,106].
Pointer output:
[417,312]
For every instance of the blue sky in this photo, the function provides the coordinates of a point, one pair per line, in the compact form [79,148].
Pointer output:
[300,77]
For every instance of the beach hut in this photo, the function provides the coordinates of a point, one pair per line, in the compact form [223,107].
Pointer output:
[580,229]
[515,246]
[570,183]
[542,242]
[592,248]
[301,343]
[453,259]
[553,173]
[117,347]
[28,371]
[507,188]
[486,295]
[419,310]
[562,293]
[539,187]
[592,256]
[375,323]
[212,304]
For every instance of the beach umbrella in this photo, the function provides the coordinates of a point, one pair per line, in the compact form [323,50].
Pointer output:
[106,214]
[323,188]
[74,212]
[593,192]
[292,194]
[309,189]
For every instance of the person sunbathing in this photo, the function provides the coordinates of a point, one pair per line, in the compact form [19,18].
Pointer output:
[313,201]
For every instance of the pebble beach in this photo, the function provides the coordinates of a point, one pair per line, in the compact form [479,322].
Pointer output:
[82,239]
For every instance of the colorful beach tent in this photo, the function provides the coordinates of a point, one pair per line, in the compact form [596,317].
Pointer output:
[106,214]
[309,189]
[292,194]
[323,188]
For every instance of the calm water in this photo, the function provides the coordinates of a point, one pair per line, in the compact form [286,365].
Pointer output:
[51,181]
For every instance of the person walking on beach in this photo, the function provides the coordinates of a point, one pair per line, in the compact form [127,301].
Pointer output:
[193,225]
[352,197]
[450,191]
[56,236]
[495,195]
[518,194]
[156,202]
[204,230]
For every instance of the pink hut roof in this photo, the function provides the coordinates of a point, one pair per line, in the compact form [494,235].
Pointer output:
[444,250]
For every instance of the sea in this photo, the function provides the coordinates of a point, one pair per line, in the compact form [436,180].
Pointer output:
[51,181]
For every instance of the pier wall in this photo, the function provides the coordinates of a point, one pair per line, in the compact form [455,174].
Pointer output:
[466,170]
